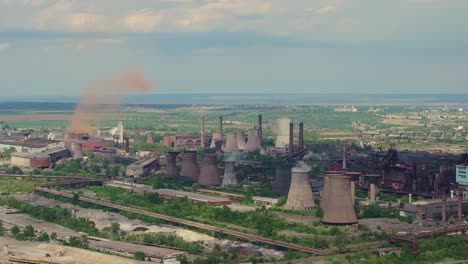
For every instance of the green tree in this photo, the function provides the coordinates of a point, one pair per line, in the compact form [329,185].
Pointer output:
[29,231]
[139,256]
[53,236]
[15,230]
[43,236]
[115,228]
[2,230]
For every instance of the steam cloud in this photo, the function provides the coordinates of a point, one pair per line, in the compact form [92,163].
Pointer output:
[106,93]
[234,156]
[301,166]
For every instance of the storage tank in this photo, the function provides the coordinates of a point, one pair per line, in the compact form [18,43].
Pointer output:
[339,208]
[229,177]
[300,195]
[282,137]
[208,171]
[189,166]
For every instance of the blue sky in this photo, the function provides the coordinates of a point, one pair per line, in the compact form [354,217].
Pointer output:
[225,46]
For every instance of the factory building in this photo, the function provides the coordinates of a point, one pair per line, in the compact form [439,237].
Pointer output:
[433,209]
[182,141]
[142,167]
[462,174]
[30,160]
[22,144]
[56,154]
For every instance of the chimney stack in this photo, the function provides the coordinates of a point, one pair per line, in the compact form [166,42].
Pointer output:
[339,208]
[344,157]
[229,177]
[231,143]
[291,138]
[300,195]
[221,125]
[189,167]
[127,145]
[301,136]
[171,164]
[444,209]
[260,127]
[372,193]
[202,131]
[149,138]
[208,171]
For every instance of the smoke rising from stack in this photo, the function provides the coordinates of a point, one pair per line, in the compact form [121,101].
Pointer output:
[96,98]
[233,156]
[301,166]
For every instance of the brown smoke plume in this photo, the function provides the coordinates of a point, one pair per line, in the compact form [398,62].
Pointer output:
[105,94]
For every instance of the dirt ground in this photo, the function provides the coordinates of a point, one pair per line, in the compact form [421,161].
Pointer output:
[242,208]
[304,219]
[37,251]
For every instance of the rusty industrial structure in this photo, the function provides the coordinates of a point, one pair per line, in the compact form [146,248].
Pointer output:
[260,127]
[339,208]
[229,177]
[202,131]
[189,168]
[300,144]
[291,138]
[300,195]
[208,171]
[183,140]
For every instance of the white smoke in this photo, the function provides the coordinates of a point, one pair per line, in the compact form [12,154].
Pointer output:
[314,156]
[233,156]
[301,166]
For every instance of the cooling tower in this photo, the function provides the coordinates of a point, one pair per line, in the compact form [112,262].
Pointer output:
[229,177]
[339,208]
[231,143]
[171,164]
[215,137]
[300,194]
[240,137]
[76,150]
[149,138]
[325,191]
[189,165]
[208,172]
[301,137]
[282,137]
[136,136]
[282,179]
[253,141]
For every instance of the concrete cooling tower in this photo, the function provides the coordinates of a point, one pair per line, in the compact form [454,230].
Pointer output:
[282,179]
[76,150]
[253,141]
[215,138]
[189,167]
[300,195]
[231,143]
[282,137]
[171,164]
[339,209]
[240,137]
[229,177]
[325,191]
[208,171]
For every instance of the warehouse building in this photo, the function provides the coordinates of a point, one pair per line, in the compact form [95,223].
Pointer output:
[142,167]
[22,144]
[433,209]
[30,160]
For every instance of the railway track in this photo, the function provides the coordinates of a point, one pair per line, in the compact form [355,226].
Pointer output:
[180,221]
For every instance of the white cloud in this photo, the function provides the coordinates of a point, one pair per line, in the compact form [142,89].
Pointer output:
[32,3]
[144,20]
[86,22]
[4,46]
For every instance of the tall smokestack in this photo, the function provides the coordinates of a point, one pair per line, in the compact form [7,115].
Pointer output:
[372,193]
[291,138]
[301,136]
[260,127]
[344,157]
[444,209]
[339,209]
[127,145]
[221,125]
[300,194]
[208,172]
[171,164]
[189,165]
[202,131]
[229,177]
